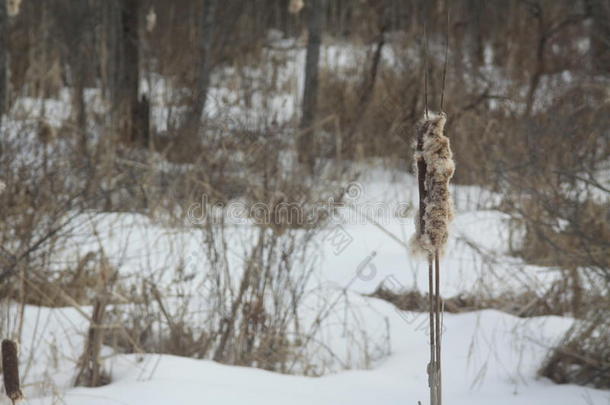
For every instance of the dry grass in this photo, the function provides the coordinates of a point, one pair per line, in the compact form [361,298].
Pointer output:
[554,300]
[583,356]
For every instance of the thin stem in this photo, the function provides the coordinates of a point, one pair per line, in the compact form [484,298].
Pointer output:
[438,332]
[432,364]
[425,68]
[446,58]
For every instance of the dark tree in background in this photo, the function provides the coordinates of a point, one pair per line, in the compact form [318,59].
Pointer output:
[3,58]
[475,30]
[600,34]
[122,26]
[315,13]
[206,40]
[78,54]
[135,112]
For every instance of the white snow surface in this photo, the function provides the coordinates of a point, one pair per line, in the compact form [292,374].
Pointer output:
[488,356]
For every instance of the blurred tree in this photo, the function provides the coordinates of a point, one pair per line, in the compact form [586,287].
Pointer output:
[315,12]
[121,72]
[3,57]
[78,54]
[599,10]
[475,40]
[135,110]
[206,41]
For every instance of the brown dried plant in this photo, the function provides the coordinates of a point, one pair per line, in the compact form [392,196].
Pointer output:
[434,167]
[432,222]
[10,365]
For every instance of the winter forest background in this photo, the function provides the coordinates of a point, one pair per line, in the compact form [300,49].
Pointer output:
[209,201]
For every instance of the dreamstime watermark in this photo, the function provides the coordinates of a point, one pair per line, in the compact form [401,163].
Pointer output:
[339,239]
[347,210]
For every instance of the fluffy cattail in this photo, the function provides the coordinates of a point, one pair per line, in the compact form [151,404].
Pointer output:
[13,7]
[151,20]
[10,365]
[2,186]
[295,6]
[434,151]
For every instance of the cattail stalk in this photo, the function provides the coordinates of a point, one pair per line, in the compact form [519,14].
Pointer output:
[434,167]
[10,365]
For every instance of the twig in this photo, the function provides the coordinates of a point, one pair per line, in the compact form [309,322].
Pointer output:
[446,58]
[425,69]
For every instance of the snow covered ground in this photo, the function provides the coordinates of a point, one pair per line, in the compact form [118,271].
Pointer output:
[488,357]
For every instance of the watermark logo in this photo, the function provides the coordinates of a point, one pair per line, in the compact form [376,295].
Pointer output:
[299,214]
[339,239]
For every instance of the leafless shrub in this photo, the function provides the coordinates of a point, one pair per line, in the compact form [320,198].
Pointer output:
[583,356]
[244,299]
[553,300]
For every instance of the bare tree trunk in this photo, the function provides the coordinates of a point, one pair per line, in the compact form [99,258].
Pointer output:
[108,44]
[476,46]
[600,34]
[368,84]
[206,40]
[81,113]
[132,114]
[538,69]
[315,10]
[3,57]
[78,60]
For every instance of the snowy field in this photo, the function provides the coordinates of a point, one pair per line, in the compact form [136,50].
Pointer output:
[488,356]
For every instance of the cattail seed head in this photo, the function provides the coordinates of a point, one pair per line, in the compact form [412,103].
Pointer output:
[2,186]
[151,20]
[13,7]
[434,149]
[10,365]
[295,6]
